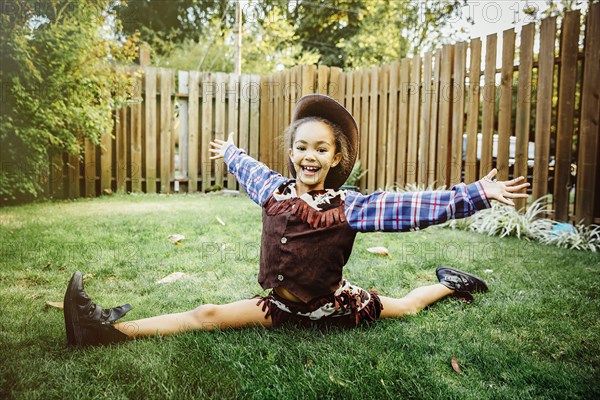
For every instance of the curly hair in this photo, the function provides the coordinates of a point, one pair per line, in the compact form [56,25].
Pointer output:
[341,140]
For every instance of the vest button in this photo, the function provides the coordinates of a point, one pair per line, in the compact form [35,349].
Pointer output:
[284,240]
[280,277]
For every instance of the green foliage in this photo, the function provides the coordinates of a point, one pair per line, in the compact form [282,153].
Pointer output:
[268,47]
[389,31]
[59,87]
[279,33]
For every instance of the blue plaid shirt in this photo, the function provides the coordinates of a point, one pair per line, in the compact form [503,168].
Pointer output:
[378,211]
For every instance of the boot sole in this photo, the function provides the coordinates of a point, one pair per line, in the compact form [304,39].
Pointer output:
[72,325]
[482,285]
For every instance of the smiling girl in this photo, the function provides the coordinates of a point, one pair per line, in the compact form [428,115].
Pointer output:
[309,227]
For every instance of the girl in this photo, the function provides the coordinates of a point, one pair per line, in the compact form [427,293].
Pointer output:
[309,226]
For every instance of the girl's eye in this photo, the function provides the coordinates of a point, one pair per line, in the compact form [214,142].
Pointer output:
[322,150]
[300,148]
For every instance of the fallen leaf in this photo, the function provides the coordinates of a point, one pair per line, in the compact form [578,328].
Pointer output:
[308,363]
[488,271]
[176,238]
[379,250]
[332,379]
[175,276]
[455,366]
[220,220]
[88,276]
[55,304]
[48,265]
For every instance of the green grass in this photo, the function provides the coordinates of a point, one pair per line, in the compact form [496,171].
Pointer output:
[536,334]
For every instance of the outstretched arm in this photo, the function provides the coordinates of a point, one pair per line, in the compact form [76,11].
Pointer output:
[395,212]
[256,178]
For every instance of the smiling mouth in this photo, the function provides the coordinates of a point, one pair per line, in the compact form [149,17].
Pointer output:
[310,170]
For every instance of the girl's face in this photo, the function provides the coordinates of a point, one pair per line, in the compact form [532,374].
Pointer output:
[313,153]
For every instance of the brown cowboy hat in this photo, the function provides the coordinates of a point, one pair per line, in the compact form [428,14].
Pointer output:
[319,105]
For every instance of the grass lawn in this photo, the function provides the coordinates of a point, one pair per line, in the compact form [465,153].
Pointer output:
[536,334]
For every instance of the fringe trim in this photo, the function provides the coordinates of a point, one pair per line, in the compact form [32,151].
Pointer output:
[306,213]
[344,301]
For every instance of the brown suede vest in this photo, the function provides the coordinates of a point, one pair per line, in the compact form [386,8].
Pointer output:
[303,249]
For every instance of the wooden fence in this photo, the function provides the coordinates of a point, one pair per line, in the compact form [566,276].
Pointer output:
[434,119]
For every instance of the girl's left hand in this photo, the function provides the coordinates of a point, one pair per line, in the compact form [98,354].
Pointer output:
[503,191]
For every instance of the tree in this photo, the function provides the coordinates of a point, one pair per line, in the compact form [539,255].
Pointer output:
[59,86]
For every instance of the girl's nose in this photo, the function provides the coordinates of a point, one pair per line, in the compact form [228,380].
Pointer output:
[310,155]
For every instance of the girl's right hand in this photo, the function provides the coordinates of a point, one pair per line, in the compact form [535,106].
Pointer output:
[219,146]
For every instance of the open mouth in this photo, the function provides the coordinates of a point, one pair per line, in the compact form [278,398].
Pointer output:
[309,171]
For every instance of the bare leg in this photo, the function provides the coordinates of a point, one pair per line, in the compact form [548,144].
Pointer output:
[413,302]
[207,317]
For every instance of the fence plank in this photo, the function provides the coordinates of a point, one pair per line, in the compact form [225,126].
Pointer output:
[136,138]
[473,112]
[523,116]
[89,168]
[151,125]
[73,167]
[505,112]
[266,139]
[458,113]
[382,89]
[587,165]
[193,134]
[220,122]
[106,164]
[403,122]
[121,149]
[442,174]
[424,121]
[349,93]
[181,167]
[433,125]
[356,103]
[392,125]
[364,126]
[336,88]
[543,111]
[166,143]
[282,103]
[207,90]
[233,109]
[413,122]
[254,99]
[308,79]
[566,113]
[56,184]
[488,112]
[372,151]
[322,79]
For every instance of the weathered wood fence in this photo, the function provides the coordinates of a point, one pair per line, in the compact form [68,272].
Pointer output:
[433,119]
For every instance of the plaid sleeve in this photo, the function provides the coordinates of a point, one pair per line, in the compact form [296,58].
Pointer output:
[256,178]
[401,212]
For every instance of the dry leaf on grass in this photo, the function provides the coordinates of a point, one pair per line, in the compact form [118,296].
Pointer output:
[220,220]
[175,276]
[455,366]
[337,381]
[379,250]
[176,239]
[55,304]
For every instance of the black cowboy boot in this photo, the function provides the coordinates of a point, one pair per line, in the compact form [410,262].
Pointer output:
[87,323]
[460,281]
